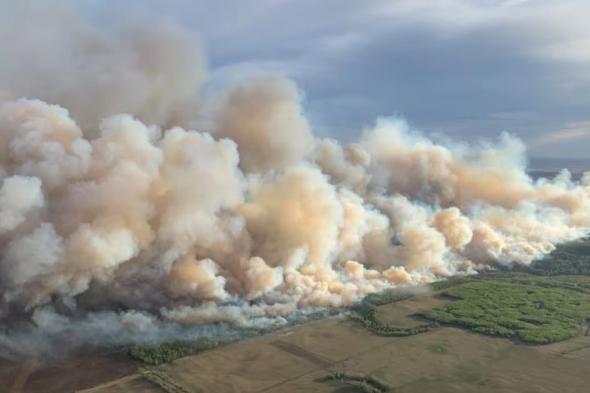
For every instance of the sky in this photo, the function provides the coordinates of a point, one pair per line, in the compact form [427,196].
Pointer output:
[468,69]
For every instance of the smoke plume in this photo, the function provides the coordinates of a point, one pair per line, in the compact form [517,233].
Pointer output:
[118,219]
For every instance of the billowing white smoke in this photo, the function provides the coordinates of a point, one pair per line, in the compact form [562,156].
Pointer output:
[50,52]
[149,224]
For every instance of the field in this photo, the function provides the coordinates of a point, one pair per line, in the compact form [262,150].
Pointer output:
[323,356]
[467,334]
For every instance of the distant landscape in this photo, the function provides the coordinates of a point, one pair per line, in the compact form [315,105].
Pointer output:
[546,167]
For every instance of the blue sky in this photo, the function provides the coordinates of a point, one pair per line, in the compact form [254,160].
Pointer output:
[465,68]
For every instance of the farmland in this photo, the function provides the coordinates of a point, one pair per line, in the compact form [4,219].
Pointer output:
[522,330]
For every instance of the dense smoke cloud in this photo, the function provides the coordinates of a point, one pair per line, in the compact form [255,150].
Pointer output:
[114,213]
[50,52]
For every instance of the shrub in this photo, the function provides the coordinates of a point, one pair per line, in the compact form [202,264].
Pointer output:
[361,383]
[155,354]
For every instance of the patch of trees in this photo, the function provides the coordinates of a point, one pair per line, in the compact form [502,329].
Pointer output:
[536,310]
[161,379]
[572,258]
[155,354]
[361,383]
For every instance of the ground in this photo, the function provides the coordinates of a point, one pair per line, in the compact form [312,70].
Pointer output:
[483,343]
[444,359]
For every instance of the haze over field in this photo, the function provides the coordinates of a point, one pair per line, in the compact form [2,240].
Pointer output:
[137,200]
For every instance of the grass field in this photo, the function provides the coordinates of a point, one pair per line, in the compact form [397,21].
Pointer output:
[445,359]
[367,313]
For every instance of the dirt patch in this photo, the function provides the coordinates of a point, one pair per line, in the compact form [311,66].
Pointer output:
[75,372]
[302,353]
[401,313]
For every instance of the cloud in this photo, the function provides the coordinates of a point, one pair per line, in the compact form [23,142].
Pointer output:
[448,66]
[154,70]
[572,132]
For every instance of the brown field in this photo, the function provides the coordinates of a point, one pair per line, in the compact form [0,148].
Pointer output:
[291,360]
[68,374]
